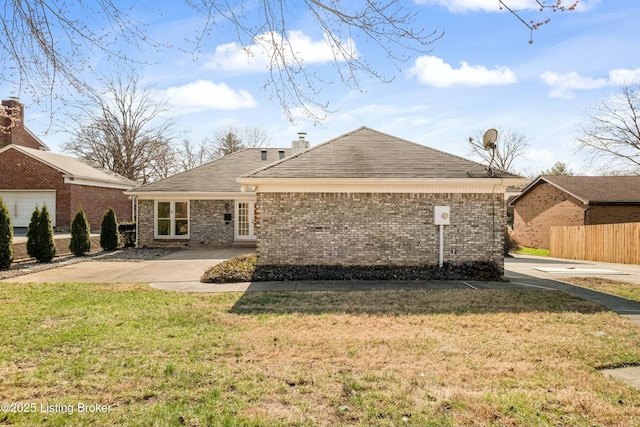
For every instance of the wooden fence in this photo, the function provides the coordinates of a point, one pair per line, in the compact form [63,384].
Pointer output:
[619,243]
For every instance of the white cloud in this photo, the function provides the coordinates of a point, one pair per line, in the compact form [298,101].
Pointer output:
[623,76]
[204,95]
[564,85]
[433,71]
[257,56]
[459,6]
[539,159]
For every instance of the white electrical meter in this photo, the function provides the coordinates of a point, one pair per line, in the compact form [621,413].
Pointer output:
[441,215]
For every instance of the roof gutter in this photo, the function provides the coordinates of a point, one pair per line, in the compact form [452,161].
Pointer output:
[379,185]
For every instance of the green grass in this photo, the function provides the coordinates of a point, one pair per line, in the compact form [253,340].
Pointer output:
[532,251]
[383,358]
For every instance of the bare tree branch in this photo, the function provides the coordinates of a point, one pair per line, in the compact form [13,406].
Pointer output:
[232,139]
[509,146]
[48,45]
[121,130]
[45,42]
[611,132]
[534,25]
[192,155]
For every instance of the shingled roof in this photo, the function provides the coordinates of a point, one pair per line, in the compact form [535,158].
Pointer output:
[592,190]
[218,176]
[368,153]
[75,168]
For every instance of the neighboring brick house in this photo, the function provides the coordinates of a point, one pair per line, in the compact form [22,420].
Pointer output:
[573,200]
[367,198]
[31,176]
[205,205]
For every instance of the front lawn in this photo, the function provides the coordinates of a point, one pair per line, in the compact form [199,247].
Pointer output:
[615,287]
[387,358]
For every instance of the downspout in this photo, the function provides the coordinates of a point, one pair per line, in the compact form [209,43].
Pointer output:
[586,219]
[134,215]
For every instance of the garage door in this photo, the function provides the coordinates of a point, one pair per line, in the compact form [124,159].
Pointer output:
[22,203]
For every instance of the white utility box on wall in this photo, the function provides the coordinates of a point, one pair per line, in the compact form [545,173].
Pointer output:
[441,215]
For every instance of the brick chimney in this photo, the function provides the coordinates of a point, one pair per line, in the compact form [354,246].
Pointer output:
[300,144]
[12,129]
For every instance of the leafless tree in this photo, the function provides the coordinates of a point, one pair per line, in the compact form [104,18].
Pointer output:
[611,132]
[233,138]
[192,155]
[122,131]
[224,142]
[509,146]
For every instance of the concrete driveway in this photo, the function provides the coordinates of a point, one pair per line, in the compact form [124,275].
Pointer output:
[186,265]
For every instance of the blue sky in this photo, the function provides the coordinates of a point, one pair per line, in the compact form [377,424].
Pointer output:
[483,73]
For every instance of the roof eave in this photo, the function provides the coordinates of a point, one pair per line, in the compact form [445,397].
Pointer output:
[379,185]
[189,195]
[96,182]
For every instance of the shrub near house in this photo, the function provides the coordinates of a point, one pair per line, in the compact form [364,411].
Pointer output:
[80,243]
[6,237]
[109,231]
[40,243]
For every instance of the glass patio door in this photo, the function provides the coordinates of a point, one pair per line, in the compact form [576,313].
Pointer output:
[245,215]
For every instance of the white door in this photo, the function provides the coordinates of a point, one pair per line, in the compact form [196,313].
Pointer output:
[245,215]
[22,203]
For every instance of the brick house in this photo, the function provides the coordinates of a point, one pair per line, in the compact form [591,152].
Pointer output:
[371,199]
[205,205]
[573,200]
[31,176]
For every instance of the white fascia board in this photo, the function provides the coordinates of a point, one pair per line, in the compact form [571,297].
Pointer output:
[191,195]
[375,185]
[77,180]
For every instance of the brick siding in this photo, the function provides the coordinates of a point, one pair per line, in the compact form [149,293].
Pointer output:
[546,206]
[96,200]
[21,172]
[377,229]
[612,214]
[207,224]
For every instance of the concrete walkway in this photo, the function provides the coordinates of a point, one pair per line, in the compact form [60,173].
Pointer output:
[525,270]
[520,271]
[186,265]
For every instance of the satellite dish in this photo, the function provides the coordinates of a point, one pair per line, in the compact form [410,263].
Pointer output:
[489,139]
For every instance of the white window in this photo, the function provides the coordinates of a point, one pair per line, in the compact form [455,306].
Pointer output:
[172,219]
